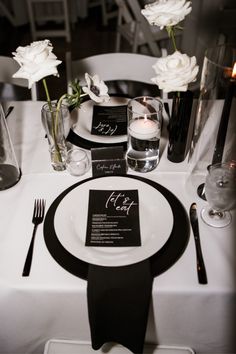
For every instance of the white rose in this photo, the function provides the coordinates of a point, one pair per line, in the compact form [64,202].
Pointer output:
[175,72]
[97,89]
[166,12]
[36,61]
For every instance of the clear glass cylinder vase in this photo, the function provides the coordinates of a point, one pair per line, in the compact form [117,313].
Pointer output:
[214,138]
[216,82]
[53,121]
[9,168]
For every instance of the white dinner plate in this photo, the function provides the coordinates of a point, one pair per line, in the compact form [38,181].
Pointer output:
[84,119]
[156,222]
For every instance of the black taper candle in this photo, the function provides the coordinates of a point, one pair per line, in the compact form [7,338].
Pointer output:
[222,131]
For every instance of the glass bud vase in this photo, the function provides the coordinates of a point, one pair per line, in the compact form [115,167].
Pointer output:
[179,126]
[9,170]
[53,122]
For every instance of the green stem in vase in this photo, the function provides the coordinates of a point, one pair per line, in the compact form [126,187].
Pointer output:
[47,94]
[73,99]
[171,34]
[54,123]
[58,107]
[54,135]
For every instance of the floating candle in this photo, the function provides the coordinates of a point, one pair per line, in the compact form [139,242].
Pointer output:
[144,129]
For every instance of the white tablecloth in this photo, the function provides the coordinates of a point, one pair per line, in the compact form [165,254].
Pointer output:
[51,303]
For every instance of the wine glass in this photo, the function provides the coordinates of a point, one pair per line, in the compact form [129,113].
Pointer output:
[220,190]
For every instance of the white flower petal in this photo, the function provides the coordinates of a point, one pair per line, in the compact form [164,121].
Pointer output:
[174,72]
[36,61]
[166,12]
[97,89]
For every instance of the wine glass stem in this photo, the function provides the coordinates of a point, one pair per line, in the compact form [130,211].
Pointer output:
[213,213]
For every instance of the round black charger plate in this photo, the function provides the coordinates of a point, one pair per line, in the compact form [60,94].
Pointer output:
[161,261]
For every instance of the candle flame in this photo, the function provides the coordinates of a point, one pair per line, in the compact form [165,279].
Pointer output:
[234,71]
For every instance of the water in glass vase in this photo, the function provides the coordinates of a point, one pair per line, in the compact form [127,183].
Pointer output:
[143,145]
[144,131]
[9,176]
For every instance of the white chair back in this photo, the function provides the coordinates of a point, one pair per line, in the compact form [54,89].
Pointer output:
[8,66]
[112,67]
[134,27]
[42,11]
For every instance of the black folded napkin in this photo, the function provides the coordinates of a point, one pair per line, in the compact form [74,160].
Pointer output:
[74,139]
[118,304]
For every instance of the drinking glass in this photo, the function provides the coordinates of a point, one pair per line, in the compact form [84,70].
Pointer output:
[144,132]
[220,190]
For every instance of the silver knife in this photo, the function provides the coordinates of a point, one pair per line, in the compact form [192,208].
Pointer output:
[201,270]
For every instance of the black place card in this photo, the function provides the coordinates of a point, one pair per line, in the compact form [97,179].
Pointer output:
[108,161]
[113,218]
[109,120]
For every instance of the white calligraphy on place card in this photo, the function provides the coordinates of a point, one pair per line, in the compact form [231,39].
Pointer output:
[105,128]
[109,120]
[108,161]
[120,202]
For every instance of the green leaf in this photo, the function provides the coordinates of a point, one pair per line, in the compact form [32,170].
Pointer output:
[74,99]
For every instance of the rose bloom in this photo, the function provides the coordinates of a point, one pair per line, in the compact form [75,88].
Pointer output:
[97,89]
[36,61]
[175,72]
[166,12]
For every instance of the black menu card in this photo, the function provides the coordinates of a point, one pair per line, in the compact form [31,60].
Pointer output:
[109,120]
[113,219]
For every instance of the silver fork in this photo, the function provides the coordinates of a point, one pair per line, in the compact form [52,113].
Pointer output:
[38,215]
